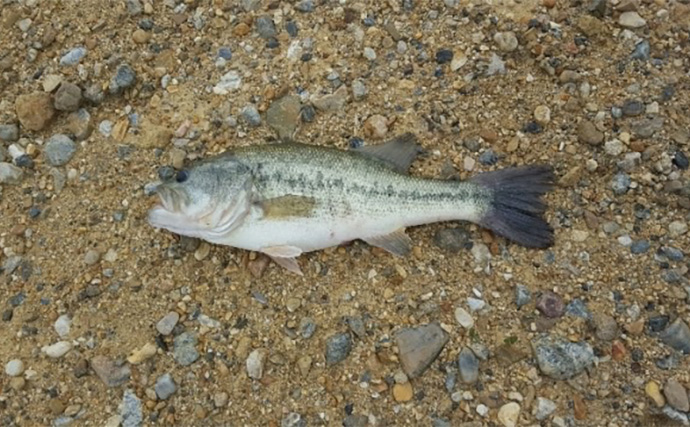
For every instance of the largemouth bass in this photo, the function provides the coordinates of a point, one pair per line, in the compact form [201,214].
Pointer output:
[289,198]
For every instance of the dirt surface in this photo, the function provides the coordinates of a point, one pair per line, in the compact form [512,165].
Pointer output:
[588,333]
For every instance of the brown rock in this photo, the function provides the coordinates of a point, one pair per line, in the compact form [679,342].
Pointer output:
[241,29]
[376,127]
[140,36]
[403,392]
[676,395]
[579,407]
[34,110]
[111,374]
[419,347]
[67,97]
[589,134]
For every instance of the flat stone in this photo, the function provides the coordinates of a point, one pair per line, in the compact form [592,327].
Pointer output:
[185,351]
[464,318]
[468,364]
[9,173]
[283,116]
[165,386]
[73,56]
[9,132]
[631,20]
[265,27]
[653,391]
[332,102]
[419,347]
[62,325]
[676,395]
[59,150]
[677,336]
[606,328]
[452,239]
[561,359]
[255,364]
[34,110]
[550,304]
[167,323]
[230,81]
[109,372]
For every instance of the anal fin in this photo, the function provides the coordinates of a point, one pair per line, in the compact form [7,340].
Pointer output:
[285,256]
[398,243]
[290,264]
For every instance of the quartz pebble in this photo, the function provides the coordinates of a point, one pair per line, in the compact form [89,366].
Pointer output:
[14,368]
[58,349]
[509,414]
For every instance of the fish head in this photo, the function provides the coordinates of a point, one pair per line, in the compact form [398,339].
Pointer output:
[204,199]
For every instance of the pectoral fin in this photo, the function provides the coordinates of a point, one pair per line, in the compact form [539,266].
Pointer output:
[289,264]
[398,243]
[285,256]
[288,206]
[398,153]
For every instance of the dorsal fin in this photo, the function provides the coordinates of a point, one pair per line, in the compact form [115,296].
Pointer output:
[399,152]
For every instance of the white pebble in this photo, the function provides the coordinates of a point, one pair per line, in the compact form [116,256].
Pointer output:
[625,240]
[482,409]
[613,147]
[369,53]
[464,318]
[677,228]
[14,368]
[62,325]
[255,364]
[475,304]
[58,349]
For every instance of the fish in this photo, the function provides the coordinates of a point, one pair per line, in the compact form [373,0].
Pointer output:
[288,198]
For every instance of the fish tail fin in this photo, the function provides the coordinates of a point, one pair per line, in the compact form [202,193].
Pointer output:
[515,210]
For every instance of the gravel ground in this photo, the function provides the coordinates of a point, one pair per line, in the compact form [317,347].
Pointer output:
[107,321]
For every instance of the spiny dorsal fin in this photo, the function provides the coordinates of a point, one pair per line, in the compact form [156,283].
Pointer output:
[399,152]
[398,243]
[288,206]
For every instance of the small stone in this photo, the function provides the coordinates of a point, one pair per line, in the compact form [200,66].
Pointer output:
[654,392]
[561,359]
[134,7]
[633,107]
[606,327]
[677,228]
[542,115]
[305,6]
[506,41]
[9,173]
[143,354]
[458,62]
[109,372]
[251,115]
[9,132]
[677,336]
[509,414]
[338,347]
[640,246]
[220,399]
[228,82]
[165,386]
[291,28]
[14,368]
[57,350]
[522,295]
[92,256]
[550,305]
[589,134]
[283,115]
[255,364]
[62,325]
[468,364]
[481,254]
[67,97]
[17,383]
[94,94]
[676,395]
[452,239]
[79,124]
[419,347]
[293,419]
[631,20]
[614,147]
[444,56]
[620,183]
[641,51]
[496,65]
[577,308]
[403,392]
[544,408]
[376,127]
[333,102]
[369,53]
[648,126]
[130,410]
[166,325]
[265,27]
[124,78]
[141,36]
[475,304]
[464,318]
[307,327]
[359,90]
[73,56]
[34,110]
[185,351]
[59,150]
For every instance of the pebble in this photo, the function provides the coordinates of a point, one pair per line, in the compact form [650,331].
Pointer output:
[419,347]
[293,419]
[94,94]
[589,134]
[9,173]
[648,126]
[631,20]
[468,365]
[143,354]
[9,132]
[674,415]
[452,239]
[332,102]
[403,392]
[677,228]
[496,65]
[73,56]
[141,36]
[509,414]
[230,81]
[444,56]
[255,364]
[359,90]
[488,157]
[654,392]
[57,350]
[677,336]
[676,395]
[79,124]
[369,53]
[124,78]
[542,115]
[376,126]
[291,28]
[543,408]
[561,359]
[185,351]
[283,115]
[165,386]
[130,410]
[640,246]
[680,159]
[265,27]
[606,328]
[34,110]
[613,147]
[91,257]
[134,7]
[620,183]
[522,295]
[633,107]
[62,325]
[220,399]
[475,304]
[506,41]
[464,318]
[251,115]
[305,6]
[673,254]
[338,347]
[307,114]
[550,304]
[641,51]
[14,368]
[67,97]
[112,374]
[307,327]
[167,323]
[481,253]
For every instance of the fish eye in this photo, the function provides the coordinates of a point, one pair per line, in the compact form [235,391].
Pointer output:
[182,176]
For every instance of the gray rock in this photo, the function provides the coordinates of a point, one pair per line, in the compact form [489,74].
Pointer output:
[250,5]
[184,350]
[79,124]
[9,132]
[251,115]
[307,327]
[640,246]
[165,386]
[675,415]
[338,347]
[606,328]
[543,408]
[522,295]
[167,323]
[550,304]
[356,325]
[109,372]
[452,239]
[9,173]
[67,97]
[633,107]
[677,336]
[59,150]
[134,7]
[620,183]
[124,78]
[589,134]
[94,94]
[73,56]
[356,420]
[561,359]
[647,127]
[265,27]
[359,90]
[332,102]
[293,419]
[642,50]
[305,6]
[577,308]
[673,254]
[255,364]
[468,365]
[676,395]
[283,116]
[419,347]
[496,65]
[130,410]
